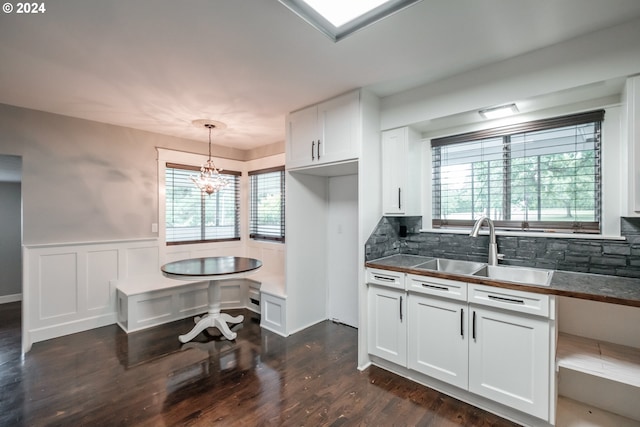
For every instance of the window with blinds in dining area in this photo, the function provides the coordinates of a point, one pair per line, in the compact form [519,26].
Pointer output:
[543,175]
[267,204]
[193,216]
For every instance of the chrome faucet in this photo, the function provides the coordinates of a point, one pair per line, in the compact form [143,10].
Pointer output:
[493,246]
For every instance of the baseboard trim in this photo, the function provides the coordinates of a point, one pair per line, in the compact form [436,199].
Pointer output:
[55,331]
[5,299]
[275,331]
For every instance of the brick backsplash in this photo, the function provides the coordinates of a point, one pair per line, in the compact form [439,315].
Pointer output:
[613,257]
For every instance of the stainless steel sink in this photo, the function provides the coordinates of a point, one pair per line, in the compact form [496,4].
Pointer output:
[523,275]
[450,266]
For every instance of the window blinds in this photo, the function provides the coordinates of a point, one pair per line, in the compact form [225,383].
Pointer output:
[267,204]
[544,175]
[193,216]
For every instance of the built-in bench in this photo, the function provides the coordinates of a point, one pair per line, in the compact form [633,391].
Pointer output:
[272,301]
[149,300]
[144,301]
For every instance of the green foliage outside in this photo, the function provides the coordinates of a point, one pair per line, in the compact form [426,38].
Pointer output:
[553,187]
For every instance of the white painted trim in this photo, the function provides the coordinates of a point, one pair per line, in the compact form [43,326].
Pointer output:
[614,185]
[88,243]
[365,366]
[4,299]
[308,325]
[67,288]
[275,331]
[82,282]
[273,321]
[72,327]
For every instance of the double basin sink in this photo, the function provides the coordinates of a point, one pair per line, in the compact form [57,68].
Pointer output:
[522,275]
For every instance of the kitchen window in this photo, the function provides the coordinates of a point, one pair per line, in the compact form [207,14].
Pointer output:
[193,216]
[543,175]
[267,204]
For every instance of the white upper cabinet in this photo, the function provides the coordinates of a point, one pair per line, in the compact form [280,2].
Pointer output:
[302,136]
[632,130]
[325,133]
[401,180]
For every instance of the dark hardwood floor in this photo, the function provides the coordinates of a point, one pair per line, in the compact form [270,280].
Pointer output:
[105,377]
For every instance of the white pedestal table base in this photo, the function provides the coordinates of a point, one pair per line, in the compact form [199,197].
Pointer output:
[213,319]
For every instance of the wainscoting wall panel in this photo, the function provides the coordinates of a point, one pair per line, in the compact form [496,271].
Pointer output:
[69,287]
[142,260]
[66,287]
[100,268]
[57,284]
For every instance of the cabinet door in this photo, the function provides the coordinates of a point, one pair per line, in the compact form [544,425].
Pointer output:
[509,359]
[438,346]
[401,172]
[339,124]
[394,170]
[632,94]
[302,137]
[387,324]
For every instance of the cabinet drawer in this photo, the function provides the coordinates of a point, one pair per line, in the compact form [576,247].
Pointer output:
[390,279]
[435,286]
[509,299]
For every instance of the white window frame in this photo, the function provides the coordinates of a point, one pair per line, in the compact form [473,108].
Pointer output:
[614,180]
[170,253]
[259,172]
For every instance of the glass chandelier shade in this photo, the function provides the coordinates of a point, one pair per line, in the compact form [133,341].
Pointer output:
[209,180]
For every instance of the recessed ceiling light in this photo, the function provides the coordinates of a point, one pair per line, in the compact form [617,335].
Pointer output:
[499,112]
[339,18]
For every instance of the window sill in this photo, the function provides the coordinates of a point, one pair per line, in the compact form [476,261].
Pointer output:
[552,235]
[266,241]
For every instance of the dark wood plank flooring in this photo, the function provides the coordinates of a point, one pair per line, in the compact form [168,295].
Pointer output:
[105,377]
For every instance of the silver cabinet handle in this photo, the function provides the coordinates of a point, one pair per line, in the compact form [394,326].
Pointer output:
[384,279]
[508,300]
[440,288]
[318,149]
[313,145]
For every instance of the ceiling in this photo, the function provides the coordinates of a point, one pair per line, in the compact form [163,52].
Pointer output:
[156,65]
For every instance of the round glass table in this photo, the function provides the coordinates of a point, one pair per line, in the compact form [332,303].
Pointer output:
[213,269]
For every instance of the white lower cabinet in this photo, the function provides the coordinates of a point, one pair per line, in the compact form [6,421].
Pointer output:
[387,324]
[491,342]
[509,359]
[438,344]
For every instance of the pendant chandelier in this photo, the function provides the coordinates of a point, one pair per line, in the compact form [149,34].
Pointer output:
[209,180]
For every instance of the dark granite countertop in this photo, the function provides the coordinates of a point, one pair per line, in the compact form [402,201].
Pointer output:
[595,287]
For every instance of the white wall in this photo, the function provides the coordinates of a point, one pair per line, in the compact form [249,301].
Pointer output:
[270,253]
[10,242]
[69,287]
[90,195]
[342,250]
[594,58]
[86,181]
[572,76]
[306,272]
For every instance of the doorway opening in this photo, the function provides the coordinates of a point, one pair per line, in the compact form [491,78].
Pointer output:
[11,301]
